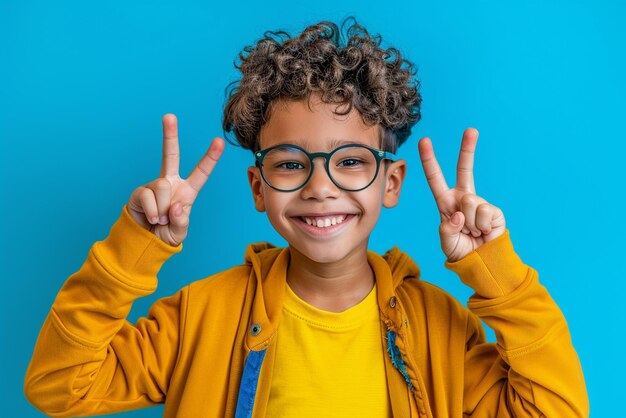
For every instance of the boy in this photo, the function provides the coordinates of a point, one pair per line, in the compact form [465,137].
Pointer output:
[323,327]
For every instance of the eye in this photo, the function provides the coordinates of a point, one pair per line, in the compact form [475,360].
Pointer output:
[290,165]
[349,162]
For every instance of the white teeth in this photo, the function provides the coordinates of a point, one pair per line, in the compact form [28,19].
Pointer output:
[324,222]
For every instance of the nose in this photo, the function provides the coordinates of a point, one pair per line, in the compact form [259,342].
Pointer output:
[320,186]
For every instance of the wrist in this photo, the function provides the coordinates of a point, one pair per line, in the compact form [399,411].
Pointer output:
[493,270]
[134,252]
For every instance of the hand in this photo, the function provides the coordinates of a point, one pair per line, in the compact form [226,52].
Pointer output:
[163,205]
[467,220]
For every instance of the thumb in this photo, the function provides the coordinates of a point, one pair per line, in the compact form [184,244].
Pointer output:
[179,220]
[451,228]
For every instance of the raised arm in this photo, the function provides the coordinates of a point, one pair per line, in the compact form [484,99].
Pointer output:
[533,370]
[88,358]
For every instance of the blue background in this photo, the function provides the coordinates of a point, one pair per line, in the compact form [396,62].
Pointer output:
[84,86]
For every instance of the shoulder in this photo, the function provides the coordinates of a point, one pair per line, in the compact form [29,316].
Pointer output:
[221,295]
[417,295]
[224,282]
[437,313]
[431,299]
[415,286]
[258,259]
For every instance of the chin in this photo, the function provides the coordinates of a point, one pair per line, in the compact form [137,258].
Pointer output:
[323,253]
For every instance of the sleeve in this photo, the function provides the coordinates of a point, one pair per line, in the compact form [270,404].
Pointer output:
[88,358]
[533,369]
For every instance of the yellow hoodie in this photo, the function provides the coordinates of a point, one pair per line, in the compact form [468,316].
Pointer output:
[208,350]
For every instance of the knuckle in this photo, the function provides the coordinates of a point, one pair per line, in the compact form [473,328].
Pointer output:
[468,198]
[162,185]
[204,170]
[484,207]
[467,206]
[212,156]
[148,209]
[434,174]
[145,194]
[181,229]
[194,190]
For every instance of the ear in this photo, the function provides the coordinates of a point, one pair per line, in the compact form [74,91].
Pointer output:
[393,184]
[256,185]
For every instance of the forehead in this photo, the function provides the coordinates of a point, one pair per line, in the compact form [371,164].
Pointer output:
[316,127]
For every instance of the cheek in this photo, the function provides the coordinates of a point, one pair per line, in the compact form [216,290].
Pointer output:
[275,204]
[374,213]
[375,194]
[371,201]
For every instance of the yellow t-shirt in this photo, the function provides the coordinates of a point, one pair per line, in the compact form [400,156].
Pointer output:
[329,364]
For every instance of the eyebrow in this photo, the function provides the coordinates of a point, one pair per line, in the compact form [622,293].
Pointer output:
[334,142]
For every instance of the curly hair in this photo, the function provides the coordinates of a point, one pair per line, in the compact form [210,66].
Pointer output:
[378,82]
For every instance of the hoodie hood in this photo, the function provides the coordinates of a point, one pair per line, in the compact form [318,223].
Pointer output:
[402,266]
[261,256]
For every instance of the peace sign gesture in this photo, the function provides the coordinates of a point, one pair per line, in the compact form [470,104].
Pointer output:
[163,205]
[467,220]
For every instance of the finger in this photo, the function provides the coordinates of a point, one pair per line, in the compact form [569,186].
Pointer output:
[450,234]
[446,218]
[434,175]
[465,165]
[485,213]
[469,205]
[179,220]
[149,205]
[163,194]
[203,169]
[170,162]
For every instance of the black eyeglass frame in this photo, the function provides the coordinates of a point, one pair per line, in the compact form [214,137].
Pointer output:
[378,154]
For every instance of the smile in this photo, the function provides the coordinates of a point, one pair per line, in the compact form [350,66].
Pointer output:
[323,225]
[324,222]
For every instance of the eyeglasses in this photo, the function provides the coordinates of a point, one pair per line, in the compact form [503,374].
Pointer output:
[351,167]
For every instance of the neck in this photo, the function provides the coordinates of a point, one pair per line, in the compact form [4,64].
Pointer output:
[334,286]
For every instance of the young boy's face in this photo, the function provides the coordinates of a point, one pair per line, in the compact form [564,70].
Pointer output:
[319,130]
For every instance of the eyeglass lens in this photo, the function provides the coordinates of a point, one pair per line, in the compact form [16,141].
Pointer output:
[288,168]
